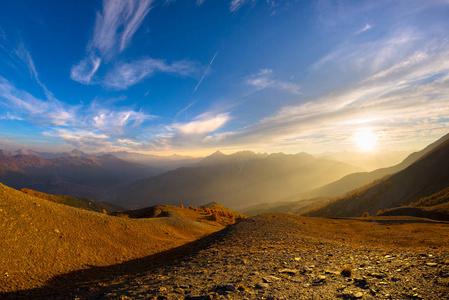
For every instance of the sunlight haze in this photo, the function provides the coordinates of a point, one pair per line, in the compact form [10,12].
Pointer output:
[192,77]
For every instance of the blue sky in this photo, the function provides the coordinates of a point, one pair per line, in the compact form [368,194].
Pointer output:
[192,77]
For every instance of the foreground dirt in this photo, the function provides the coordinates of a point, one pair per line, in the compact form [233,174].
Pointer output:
[280,256]
[40,239]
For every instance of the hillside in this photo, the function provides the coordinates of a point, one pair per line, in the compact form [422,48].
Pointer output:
[98,178]
[355,180]
[83,203]
[434,207]
[235,184]
[295,207]
[280,256]
[423,178]
[40,239]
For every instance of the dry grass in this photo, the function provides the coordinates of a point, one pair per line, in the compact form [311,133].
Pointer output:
[40,239]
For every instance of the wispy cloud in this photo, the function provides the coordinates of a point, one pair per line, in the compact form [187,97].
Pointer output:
[43,112]
[86,122]
[367,27]
[202,124]
[205,72]
[125,75]
[195,134]
[82,139]
[9,116]
[264,79]
[114,28]
[410,94]
[113,123]
[85,69]
[20,58]
[235,5]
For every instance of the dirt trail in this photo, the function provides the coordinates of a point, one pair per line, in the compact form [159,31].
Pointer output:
[279,256]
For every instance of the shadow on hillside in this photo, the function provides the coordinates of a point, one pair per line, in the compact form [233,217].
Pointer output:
[84,283]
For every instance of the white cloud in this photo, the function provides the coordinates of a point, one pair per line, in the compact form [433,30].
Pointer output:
[114,28]
[264,79]
[202,124]
[116,25]
[235,5]
[21,57]
[195,134]
[367,27]
[43,112]
[85,69]
[115,122]
[83,139]
[9,116]
[125,75]
[102,120]
[405,99]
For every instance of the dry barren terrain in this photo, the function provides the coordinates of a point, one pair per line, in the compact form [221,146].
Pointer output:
[40,239]
[281,256]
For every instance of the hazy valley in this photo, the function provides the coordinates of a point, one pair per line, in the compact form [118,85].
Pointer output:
[67,247]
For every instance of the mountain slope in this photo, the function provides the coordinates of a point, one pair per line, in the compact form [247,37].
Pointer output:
[235,184]
[83,203]
[40,239]
[355,180]
[425,177]
[98,178]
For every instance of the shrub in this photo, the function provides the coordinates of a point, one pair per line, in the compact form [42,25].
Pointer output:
[182,206]
[365,214]
[232,219]
[214,216]
[346,271]
[104,211]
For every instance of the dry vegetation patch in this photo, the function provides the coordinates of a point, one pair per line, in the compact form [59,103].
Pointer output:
[40,239]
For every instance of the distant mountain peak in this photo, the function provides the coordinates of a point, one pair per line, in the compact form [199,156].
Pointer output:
[76,152]
[217,153]
[217,157]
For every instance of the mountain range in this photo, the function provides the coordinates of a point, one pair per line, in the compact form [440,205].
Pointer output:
[426,177]
[236,180]
[98,177]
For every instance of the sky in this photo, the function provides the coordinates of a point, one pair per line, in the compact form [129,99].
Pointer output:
[194,76]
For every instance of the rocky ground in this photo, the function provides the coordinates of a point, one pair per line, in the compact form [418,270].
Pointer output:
[280,256]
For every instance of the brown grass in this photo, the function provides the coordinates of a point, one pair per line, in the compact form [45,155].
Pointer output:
[40,239]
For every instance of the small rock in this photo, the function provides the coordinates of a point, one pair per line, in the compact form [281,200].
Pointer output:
[361,283]
[319,280]
[241,288]
[230,287]
[288,271]
[358,295]
[270,279]
[207,297]
[432,264]
[261,285]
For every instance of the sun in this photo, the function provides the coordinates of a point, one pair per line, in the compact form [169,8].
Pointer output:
[366,140]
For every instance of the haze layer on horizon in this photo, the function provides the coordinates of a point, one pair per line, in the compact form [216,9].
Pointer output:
[191,77]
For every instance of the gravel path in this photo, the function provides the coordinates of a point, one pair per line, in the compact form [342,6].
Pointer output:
[279,256]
